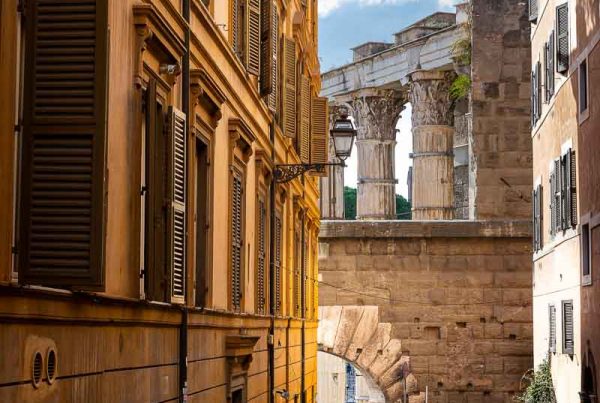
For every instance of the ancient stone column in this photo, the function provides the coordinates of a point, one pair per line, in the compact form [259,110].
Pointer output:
[332,190]
[433,131]
[376,112]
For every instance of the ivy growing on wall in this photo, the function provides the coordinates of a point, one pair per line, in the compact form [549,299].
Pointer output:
[540,388]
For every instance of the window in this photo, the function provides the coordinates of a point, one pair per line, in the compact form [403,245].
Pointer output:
[62,165]
[583,87]
[237,240]
[552,328]
[567,323]
[289,104]
[319,153]
[245,33]
[549,67]
[537,218]
[268,49]
[261,258]
[563,191]
[536,93]
[533,11]
[586,254]
[562,38]
[277,262]
[238,28]
[202,222]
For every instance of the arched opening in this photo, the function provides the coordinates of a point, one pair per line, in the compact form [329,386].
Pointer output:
[341,381]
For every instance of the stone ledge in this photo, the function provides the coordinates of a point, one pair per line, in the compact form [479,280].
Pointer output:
[425,229]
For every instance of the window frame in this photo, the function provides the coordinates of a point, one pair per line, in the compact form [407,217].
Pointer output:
[583,114]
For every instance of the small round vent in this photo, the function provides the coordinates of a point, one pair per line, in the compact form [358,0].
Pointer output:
[51,365]
[36,376]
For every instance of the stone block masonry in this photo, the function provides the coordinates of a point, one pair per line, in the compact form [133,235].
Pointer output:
[450,298]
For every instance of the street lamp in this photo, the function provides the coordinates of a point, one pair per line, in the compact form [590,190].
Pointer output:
[342,133]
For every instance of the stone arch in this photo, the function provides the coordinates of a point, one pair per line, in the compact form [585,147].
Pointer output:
[355,334]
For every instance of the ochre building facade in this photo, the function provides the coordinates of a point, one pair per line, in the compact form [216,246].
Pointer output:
[148,252]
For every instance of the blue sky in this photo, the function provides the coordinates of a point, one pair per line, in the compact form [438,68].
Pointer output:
[344,24]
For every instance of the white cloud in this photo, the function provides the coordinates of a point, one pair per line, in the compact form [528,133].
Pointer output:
[447,4]
[326,7]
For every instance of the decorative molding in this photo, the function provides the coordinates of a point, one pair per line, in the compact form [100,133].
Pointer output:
[153,30]
[377,112]
[430,98]
[239,350]
[264,165]
[241,137]
[206,92]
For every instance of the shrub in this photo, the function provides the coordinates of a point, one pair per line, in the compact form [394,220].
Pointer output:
[539,388]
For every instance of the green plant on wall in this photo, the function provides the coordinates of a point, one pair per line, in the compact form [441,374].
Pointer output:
[460,87]
[461,51]
[540,388]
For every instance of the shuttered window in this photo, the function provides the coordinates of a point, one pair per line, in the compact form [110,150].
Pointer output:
[303,140]
[570,189]
[237,243]
[549,67]
[568,328]
[268,55]
[261,258]
[536,93]
[238,28]
[254,34]
[176,227]
[277,263]
[533,10]
[537,218]
[289,112]
[63,168]
[552,328]
[319,131]
[562,38]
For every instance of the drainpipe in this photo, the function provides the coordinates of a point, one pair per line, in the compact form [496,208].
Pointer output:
[303,304]
[185,90]
[273,303]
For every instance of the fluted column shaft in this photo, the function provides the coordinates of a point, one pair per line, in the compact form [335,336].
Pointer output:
[433,131]
[376,114]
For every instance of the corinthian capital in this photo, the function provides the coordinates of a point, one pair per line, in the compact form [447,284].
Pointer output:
[430,98]
[377,112]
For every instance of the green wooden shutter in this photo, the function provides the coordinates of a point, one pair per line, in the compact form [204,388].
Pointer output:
[237,243]
[552,328]
[568,328]
[562,38]
[261,249]
[289,113]
[63,154]
[253,63]
[533,10]
[176,228]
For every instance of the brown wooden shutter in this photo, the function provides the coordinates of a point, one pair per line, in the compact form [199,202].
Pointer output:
[63,153]
[238,29]
[260,275]
[253,64]
[274,94]
[319,131]
[303,140]
[289,113]
[266,47]
[533,10]
[552,328]
[176,228]
[277,264]
[237,243]
[568,335]
[562,38]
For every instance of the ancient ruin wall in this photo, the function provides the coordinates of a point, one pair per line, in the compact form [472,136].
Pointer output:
[453,299]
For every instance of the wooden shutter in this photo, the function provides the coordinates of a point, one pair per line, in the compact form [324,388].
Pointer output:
[266,47]
[319,131]
[260,275]
[289,113]
[237,243]
[238,28]
[536,227]
[303,140]
[557,196]
[568,332]
[534,103]
[176,228]
[538,90]
[273,95]
[550,67]
[562,38]
[570,189]
[63,152]
[552,328]
[277,264]
[533,10]
[253,64]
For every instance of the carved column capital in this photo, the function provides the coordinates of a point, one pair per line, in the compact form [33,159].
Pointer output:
[430,98]
[376,112]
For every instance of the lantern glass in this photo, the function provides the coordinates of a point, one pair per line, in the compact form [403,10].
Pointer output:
[343,134]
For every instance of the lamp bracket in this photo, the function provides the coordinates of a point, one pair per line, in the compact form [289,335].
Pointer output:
[286,172]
